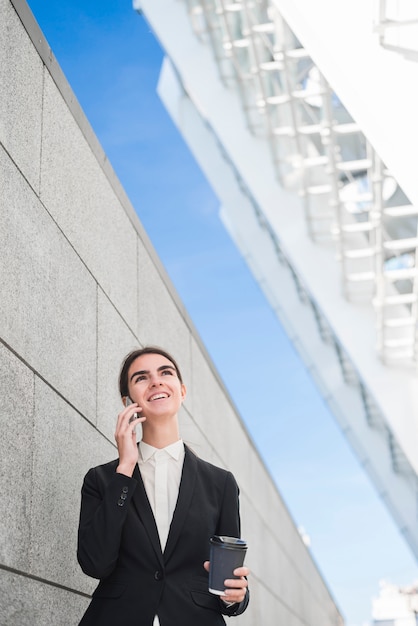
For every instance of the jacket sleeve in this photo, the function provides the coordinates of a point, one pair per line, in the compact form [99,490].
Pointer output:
[104,507]
[229,525]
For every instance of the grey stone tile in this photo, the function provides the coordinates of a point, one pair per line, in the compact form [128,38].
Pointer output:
[21,78]
[115,341]
[76,192]
[160,320]
[192,435]
[65,447]
[209,402]
[28,602]
[48,311]
[16,434]
[239,449]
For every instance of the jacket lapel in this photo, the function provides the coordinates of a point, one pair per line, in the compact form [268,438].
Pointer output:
[187,484]
[143,508]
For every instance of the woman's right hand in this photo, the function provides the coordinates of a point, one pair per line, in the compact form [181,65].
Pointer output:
[125,436]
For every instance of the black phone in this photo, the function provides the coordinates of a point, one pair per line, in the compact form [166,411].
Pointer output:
[135,416]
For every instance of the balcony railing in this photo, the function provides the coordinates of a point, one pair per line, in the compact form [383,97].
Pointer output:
[350,198]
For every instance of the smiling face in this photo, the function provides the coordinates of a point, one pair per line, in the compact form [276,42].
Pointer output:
[153,383]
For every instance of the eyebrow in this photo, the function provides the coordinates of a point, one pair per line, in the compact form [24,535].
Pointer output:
[159,369]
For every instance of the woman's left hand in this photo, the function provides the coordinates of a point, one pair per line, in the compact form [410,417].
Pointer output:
[235,588]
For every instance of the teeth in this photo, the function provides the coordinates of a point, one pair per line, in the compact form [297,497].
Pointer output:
[157,397]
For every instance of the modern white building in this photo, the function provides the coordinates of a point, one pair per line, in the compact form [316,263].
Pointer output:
[396,606]
[303,117]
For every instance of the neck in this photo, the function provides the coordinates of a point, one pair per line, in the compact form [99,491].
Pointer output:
[160,435]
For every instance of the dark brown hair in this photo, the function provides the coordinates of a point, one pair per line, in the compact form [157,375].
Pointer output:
[130,358]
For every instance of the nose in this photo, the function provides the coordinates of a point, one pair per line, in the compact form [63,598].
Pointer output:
[154,381]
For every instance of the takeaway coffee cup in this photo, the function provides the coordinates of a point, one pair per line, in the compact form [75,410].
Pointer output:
[226,554]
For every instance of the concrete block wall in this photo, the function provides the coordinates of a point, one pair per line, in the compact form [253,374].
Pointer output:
[80,285]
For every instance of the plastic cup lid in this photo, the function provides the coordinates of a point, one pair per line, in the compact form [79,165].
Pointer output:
[229,541]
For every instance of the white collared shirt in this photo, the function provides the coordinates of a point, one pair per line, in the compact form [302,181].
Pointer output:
[161,474]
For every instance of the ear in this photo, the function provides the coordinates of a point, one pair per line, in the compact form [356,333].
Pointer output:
[183,391]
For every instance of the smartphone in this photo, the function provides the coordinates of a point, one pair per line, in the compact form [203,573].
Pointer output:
[135,416]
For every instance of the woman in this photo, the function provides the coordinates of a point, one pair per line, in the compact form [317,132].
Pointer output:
[146,517]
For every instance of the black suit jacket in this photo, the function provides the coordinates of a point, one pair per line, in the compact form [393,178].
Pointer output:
[118,543]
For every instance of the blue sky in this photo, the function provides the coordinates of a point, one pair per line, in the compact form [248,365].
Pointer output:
[111,60]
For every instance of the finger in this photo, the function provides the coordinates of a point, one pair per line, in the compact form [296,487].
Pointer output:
[136,416]
[132,409]
[233,596]
[241,571]
[126,415]
[236,583]
[234,591]
[124,427]
[132,424]
[123,415]
[206,565]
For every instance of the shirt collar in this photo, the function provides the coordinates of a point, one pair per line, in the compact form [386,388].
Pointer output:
[174,450]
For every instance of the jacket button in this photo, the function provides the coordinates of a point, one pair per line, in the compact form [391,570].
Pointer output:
[121,502]
[158,575]
[125,489]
